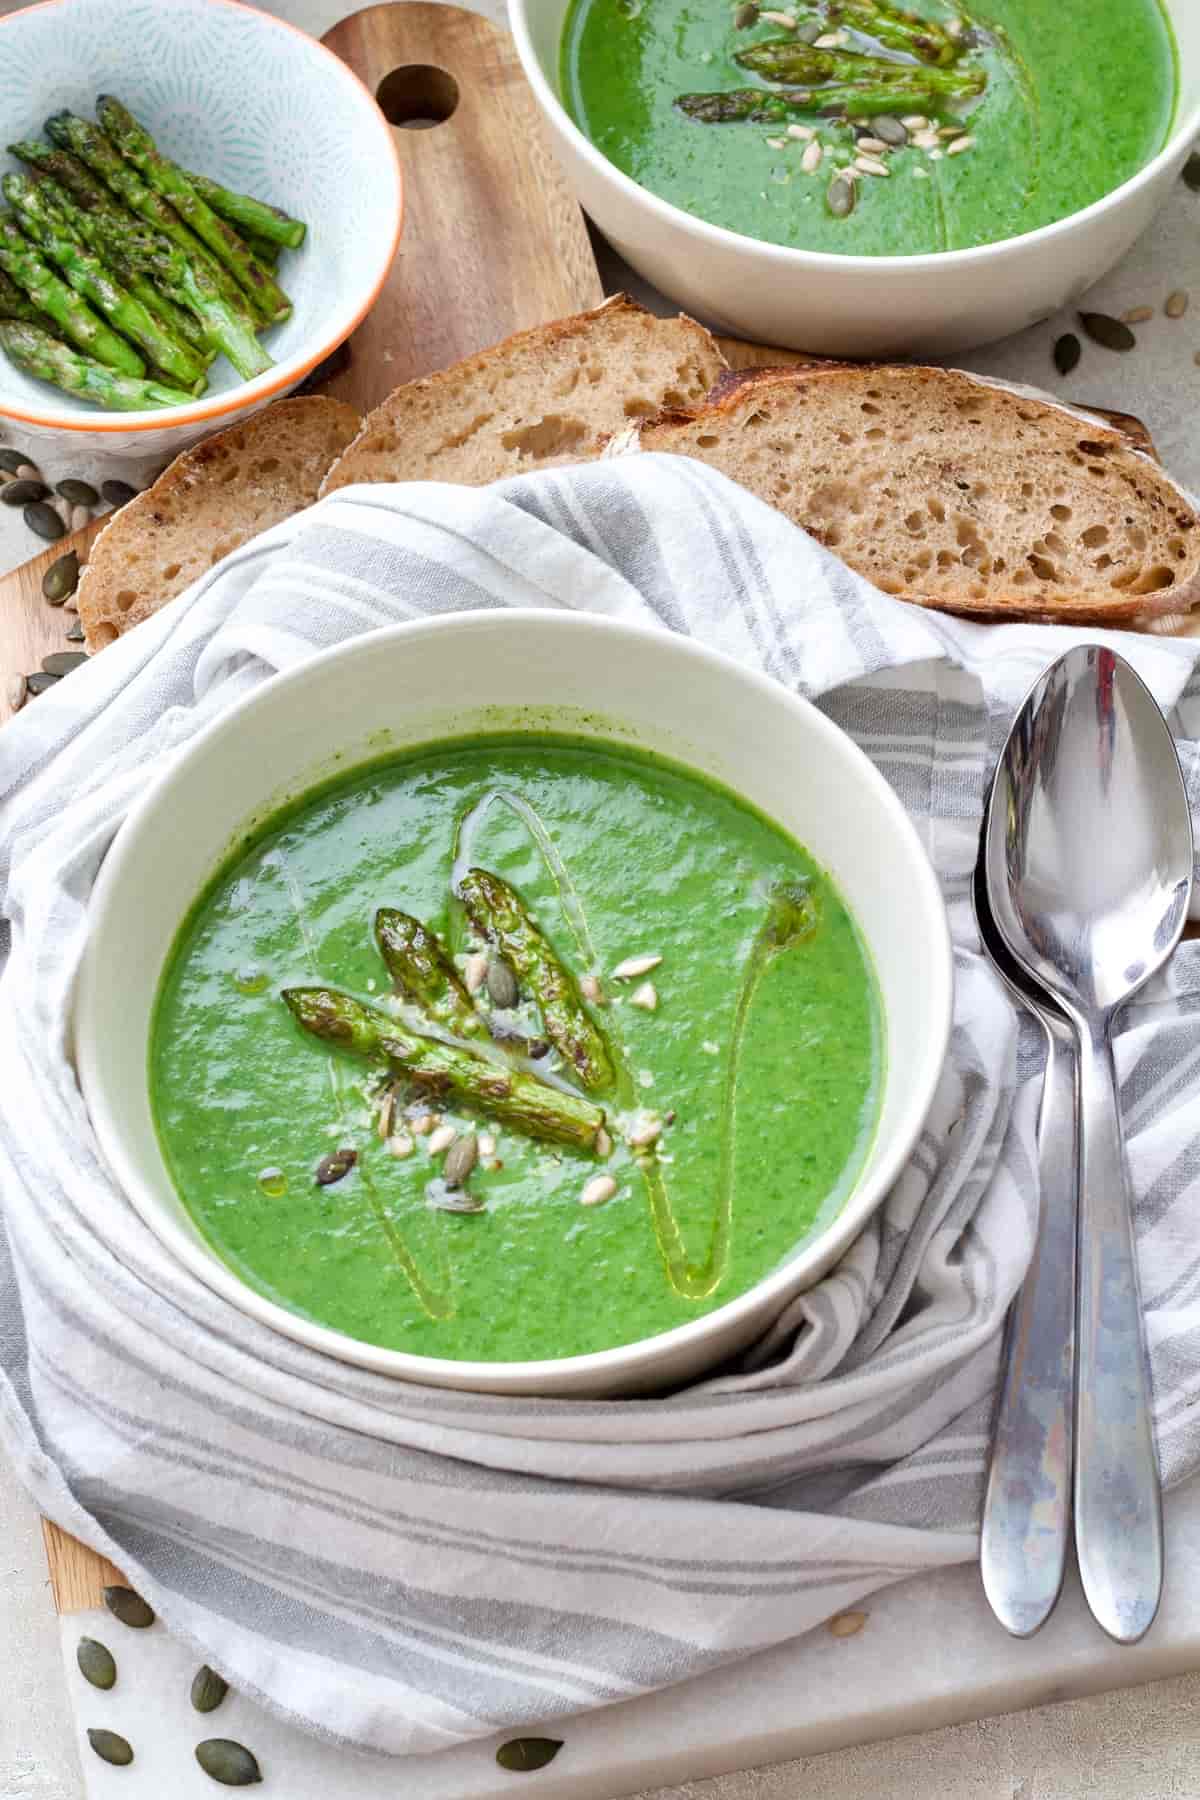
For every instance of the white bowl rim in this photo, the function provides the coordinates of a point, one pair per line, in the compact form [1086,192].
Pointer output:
[284,375]
[622,1362]
[788,256]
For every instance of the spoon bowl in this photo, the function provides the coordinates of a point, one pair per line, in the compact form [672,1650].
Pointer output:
[1089,875]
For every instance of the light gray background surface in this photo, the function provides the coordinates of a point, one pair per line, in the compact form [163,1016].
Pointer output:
[1142,1744]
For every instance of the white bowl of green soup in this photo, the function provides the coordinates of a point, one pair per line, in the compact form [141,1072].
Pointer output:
[855,178]
[517,1002]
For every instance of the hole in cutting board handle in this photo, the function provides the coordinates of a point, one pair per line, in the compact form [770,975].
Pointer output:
[417,96]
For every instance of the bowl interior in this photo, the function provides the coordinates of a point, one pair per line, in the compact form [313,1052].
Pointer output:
[540,23]
[240,97]
[616,682]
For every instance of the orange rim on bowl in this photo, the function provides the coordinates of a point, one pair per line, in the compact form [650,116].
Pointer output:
[281,378]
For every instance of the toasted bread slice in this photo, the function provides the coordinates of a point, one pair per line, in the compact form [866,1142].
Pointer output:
[203,505]
[547,396]
[956,492]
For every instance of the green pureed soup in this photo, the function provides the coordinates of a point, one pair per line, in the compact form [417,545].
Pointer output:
[1056,103]
[645,1150]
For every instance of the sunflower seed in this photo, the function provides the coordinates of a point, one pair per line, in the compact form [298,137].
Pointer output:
[12,462]
[386,1118]
[915,122]
[61,579]
[461,1158]
[79,493]
[208,1689]
[893,131]
[646,1134]
[424,1123]
[1067,352]
[954,28]
[873,146]
[129,1607]
[1137,315]
[831,40]
[589,987]
[847,1624]
[61,662]
[475,971]
[646,997]
[111,1748]
[841,196]
[745,16]
[76,635]
[959,145]
[925,140]
[786,19]
[487,1144]
[19,493]
[1177,304]
[870,165]
[38,680]
[1105,330]
[401,1145]
[118,493]
[778,144]
[501,983]
[80,516]
[521,1756]
[633,966]
[229,1763]
[1191,174]
[63,508]
[596,1191]
[16,691]
[452,1200]
[810,162]
[335,1166]
[803,133]
[41,518]
[96,1663]
[603,1143]
[441,1139]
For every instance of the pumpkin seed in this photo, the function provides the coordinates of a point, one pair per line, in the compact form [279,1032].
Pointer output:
[19,493]
[461,1158]
[229,1763]
[335,1166]
[892,130]
[111,1748]
[501,983]
[596,1191]
[1103,329]
[129,1607]
[118,493]
[841,197]
[96,1663]
[12,460]
[61,662]
[42,518]
[79,493]
[1177,304]
[1067,352]
[61,579]
[745,16]
[520,1756]
[38,680]
[208,1689]
[15,692]
[1191,174]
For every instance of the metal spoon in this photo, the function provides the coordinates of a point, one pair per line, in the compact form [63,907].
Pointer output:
[1027,1504]
[1089,874]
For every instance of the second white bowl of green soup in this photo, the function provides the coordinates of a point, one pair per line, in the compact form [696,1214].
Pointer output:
[547,1038]
[862,178]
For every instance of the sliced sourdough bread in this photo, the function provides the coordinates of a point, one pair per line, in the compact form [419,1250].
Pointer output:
[203,505]
[955,492]
[547,396]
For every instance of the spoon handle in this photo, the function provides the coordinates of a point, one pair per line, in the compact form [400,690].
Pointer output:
[1027,1506]
[1118,1504]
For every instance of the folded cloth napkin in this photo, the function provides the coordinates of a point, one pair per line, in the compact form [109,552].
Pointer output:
[404,1568]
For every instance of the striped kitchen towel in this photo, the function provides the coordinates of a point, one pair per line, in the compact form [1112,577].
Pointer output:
[404,1568]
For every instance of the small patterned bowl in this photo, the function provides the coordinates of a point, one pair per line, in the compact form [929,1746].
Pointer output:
[253,103]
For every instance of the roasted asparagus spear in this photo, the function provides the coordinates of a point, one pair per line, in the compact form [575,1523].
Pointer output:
[522,1101]
[499,913]
[803,65]
[33,349]
[253,218]
[424,973]
[73,316]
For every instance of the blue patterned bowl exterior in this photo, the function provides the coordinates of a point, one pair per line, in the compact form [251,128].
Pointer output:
[253,103]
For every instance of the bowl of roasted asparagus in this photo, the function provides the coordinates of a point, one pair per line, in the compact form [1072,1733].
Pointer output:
[185,226]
